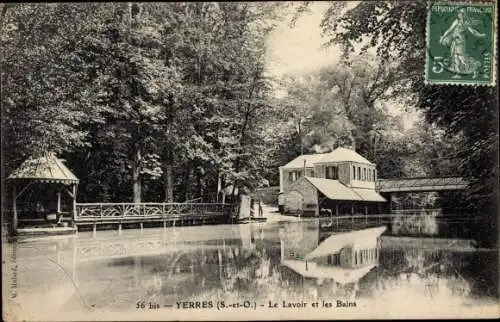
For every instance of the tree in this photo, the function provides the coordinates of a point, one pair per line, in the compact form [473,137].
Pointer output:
[344,105]
[42,106]
[132,93]
[397,31]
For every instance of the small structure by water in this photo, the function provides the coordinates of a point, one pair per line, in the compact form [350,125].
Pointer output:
[342,181]
[43,183]
[48,176]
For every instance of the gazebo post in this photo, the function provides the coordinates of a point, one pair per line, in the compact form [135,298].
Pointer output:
[73,215]
[14,208]
[58,202]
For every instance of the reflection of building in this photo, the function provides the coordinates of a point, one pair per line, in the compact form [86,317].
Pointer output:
[342,181]
[343,257]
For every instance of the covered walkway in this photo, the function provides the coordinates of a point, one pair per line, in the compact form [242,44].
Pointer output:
[420,184]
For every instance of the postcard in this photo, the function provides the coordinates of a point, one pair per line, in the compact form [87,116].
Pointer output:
[191,161]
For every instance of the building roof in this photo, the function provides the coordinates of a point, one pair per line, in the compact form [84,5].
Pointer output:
[44,169]
[420,184]
[338,155]
[336,242]
[338,274]
[369,195]
[335,190]
[298,162]
[342,155]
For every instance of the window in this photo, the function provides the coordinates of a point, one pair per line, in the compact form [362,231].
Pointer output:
[364,174]
[294,175]
[332,172]
[312,173]
[359,173]
[353,172]
[334,259]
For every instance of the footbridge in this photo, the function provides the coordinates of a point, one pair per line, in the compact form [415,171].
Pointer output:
[420,184]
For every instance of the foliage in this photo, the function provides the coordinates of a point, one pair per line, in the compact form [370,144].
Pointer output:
[468,115]
[344,105]
[144,99]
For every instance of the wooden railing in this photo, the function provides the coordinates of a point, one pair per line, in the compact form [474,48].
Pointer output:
[89,211]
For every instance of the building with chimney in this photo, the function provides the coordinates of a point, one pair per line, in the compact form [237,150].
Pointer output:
[341,181]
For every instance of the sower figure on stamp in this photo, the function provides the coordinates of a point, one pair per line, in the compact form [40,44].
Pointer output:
[455,37]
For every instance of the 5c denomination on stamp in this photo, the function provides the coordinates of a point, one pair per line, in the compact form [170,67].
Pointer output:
[461,43]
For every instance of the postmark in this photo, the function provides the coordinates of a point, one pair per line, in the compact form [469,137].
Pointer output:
[461,43]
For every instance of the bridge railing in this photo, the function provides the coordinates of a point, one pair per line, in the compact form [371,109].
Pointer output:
[150,210]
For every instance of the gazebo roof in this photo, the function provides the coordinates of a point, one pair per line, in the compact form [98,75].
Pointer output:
[47,169]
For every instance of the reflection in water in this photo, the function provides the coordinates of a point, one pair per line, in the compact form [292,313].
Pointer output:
[231,262]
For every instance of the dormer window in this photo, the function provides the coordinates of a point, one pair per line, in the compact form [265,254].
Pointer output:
[332,172]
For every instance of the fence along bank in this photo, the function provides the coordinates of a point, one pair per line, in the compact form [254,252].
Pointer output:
[43,202]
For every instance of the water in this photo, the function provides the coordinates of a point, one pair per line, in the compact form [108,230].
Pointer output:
[109,276]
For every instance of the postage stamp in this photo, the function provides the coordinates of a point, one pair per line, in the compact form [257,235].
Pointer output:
[461,43]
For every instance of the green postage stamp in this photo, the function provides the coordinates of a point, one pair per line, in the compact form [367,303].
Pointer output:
[461,43]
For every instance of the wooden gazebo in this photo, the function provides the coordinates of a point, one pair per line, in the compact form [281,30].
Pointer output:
[48,170]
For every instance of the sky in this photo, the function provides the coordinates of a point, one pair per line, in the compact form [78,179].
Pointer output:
[299,49]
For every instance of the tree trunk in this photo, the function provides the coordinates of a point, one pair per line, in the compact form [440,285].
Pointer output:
[219,186]
[136,176]
[200,186]
[242,141]
[169,182]
[353,140]
[187,182]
